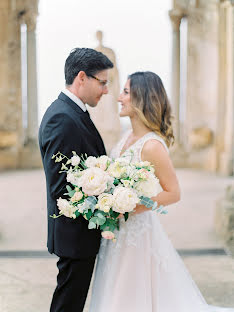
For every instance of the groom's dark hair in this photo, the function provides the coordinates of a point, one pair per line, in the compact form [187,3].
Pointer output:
[84,59]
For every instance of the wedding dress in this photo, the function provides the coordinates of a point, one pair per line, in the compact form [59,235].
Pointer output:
[141,271]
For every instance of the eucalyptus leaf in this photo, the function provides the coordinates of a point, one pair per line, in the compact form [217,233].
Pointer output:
[89,214]
[100,216]
[155,205]
[91,226]
[77,213]
[126,215]
[71,193]
[101,221]
[94,219]
[69,189]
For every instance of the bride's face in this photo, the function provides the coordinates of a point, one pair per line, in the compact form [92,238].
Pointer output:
[125,100]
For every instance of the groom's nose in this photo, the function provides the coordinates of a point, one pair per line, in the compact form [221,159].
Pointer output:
[105,90]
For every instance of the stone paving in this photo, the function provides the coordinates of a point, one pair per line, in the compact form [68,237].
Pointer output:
[26,285]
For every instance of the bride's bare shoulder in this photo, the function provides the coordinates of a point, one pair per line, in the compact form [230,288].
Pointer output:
[153,149]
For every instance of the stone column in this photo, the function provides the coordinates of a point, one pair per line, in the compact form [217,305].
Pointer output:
[203,84]
[176,16]
[10,86]
[29,155]
[224,219]
[32,80]
[226,89]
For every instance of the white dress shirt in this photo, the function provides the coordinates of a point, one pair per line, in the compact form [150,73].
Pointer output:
[75,99]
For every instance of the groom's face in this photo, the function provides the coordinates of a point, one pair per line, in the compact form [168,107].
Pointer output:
[95,87]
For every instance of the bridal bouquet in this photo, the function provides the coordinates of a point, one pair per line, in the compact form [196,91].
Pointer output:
[100,189]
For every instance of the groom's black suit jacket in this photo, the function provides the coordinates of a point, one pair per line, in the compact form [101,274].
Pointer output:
[66,128]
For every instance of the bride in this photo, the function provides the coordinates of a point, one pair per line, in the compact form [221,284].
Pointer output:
[141,271]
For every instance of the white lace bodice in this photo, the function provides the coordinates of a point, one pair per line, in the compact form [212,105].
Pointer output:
[134,151]
[138,224]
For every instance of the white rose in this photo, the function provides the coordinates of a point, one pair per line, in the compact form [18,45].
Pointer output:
[146,163]
[108,235]
[125,199]
[74,177]
[116,171]
[102,162]
[75,160]
[77,196]
[94,181]
[149,187]
[91,161]
[66,208]
[127,183]
[123,161]
[105,202]
[143,174]
[132,173]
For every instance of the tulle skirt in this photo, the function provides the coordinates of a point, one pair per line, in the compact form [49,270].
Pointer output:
[142,272]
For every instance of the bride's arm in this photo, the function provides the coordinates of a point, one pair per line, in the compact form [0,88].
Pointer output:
[156,153]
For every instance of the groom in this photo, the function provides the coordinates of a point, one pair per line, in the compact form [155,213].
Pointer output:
[66,127]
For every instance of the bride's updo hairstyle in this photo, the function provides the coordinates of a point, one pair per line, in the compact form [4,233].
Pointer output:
[150,101]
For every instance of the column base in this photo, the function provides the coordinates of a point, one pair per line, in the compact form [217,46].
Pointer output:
[224,220]
[9,158]
[226,164]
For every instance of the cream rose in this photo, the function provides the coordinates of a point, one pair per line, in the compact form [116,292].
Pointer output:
[77,196]
[149,187]
[94,181]
[125,199]
[74,177]
[116,171]
[75,160]
[102,162]
[108,235]
[105,202]
[127,183]
[143,174]
[66,208]
[123,161]
[91,161]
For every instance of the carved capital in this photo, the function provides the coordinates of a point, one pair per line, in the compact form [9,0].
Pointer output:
[226,3]
[29,17]
[31,22]
[176,17]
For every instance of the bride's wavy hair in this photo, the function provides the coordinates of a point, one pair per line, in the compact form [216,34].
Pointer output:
[150,101]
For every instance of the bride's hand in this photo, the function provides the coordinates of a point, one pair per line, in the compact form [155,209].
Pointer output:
[140,209]
[120,216]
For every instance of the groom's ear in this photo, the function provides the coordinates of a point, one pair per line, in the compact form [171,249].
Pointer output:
[81,77]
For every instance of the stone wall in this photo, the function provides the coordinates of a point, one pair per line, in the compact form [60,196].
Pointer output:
[12,137]
[209,125]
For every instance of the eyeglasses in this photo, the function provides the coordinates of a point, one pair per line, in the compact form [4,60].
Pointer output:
[104,83]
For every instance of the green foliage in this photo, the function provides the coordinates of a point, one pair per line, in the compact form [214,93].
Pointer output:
[126,215]
[116,181]
[89,214]
[91,202]
[91,225]
[77,213]
[71,192]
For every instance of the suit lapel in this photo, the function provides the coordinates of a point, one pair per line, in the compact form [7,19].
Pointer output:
[86,120]
[71,103]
